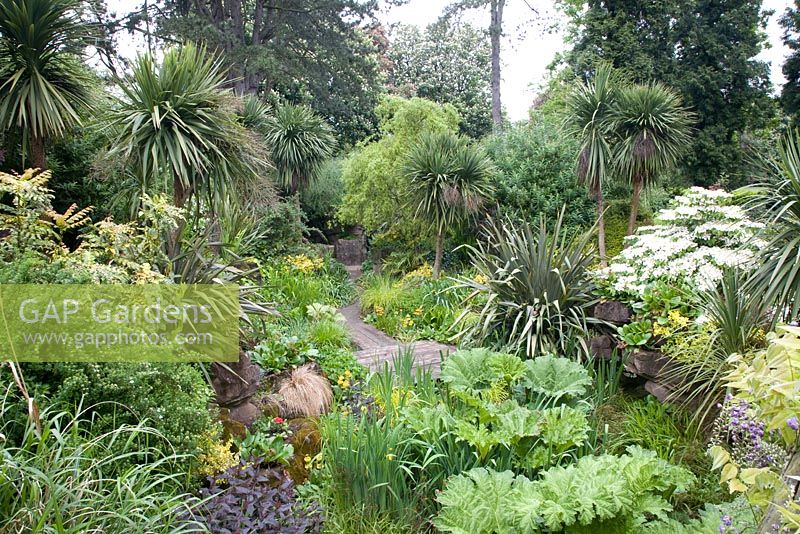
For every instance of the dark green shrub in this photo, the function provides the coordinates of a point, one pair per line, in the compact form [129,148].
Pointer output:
[537,175]
[283,228]
[173,398]
[322,197]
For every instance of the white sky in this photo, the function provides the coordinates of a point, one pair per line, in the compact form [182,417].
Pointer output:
[525,55]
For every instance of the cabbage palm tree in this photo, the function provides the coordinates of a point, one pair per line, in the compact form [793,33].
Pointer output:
[176,127]
[43,84]
[452,179]
[652,129]
[300,141]
[589,112]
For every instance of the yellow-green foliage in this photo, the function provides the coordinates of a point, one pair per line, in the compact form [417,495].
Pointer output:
[771,380]
[216,454]
[376,189]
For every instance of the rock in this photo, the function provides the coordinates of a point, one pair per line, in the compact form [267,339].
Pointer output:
[647,363]
[235,382]
[602,346]
[234,385]
[666,394]
[350,251]
[245,413]
[612,311]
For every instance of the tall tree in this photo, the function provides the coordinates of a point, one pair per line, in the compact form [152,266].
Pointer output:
[589,112]
[42,81]
[790,95]
[445,63]
[319,52]
[452,180]
[705,49]
[299,142]
[496,8]
[176,128]
[652,129]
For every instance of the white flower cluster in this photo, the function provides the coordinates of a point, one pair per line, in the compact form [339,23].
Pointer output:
[691,243]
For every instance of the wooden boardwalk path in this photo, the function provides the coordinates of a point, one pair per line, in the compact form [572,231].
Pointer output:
[376,347]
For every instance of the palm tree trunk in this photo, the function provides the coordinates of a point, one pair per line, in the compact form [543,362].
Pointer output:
[495,32]
[637,193]
[179,193]
[37,153]
[437,261]
[601,228]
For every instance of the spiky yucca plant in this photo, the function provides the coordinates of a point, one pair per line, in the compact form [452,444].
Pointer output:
[532,287]
[452,179]
[42,82]
[300,141]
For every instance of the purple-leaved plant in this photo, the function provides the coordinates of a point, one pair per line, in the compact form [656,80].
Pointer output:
[247,499]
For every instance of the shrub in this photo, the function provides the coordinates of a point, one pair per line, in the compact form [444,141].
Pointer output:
[75,476]
[533,285]
[283,228]
[323,196]
[328,334]
[689,244]
[537,175]
[173,398]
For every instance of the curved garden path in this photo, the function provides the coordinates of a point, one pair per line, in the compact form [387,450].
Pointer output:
[376,347]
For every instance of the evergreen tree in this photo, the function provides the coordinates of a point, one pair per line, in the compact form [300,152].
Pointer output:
[790,95]
[705,49]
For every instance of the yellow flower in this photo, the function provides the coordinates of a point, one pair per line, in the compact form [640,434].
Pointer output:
[379,311]
[304,264]
[424,271]
[480,279]
[348,374]
[408,322]
[659,330]
[390,457]
[418,311]
[677,319]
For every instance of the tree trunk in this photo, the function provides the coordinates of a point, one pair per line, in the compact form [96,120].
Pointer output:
[179,193]
[637,193]
[495,33]
[437,262]
[601,228]
[37,153]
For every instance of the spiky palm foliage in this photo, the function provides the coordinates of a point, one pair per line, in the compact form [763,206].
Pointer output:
[42,82]
[532,287]
[589,111]
[452,179]
[300,141]
[176,127]
[653,130]
[778,274]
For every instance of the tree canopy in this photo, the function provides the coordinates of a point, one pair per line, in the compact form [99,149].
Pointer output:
[318,52]
[705,50]
[446,64]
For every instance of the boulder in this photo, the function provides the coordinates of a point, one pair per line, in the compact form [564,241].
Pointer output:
[666,394]
[647,363]
[234,384]
[245,413]
[350,251]
[602,346]
[612,311]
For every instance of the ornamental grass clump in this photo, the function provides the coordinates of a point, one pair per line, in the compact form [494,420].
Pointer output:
[536,296]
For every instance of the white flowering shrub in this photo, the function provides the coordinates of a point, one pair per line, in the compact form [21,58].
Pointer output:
[690,243]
